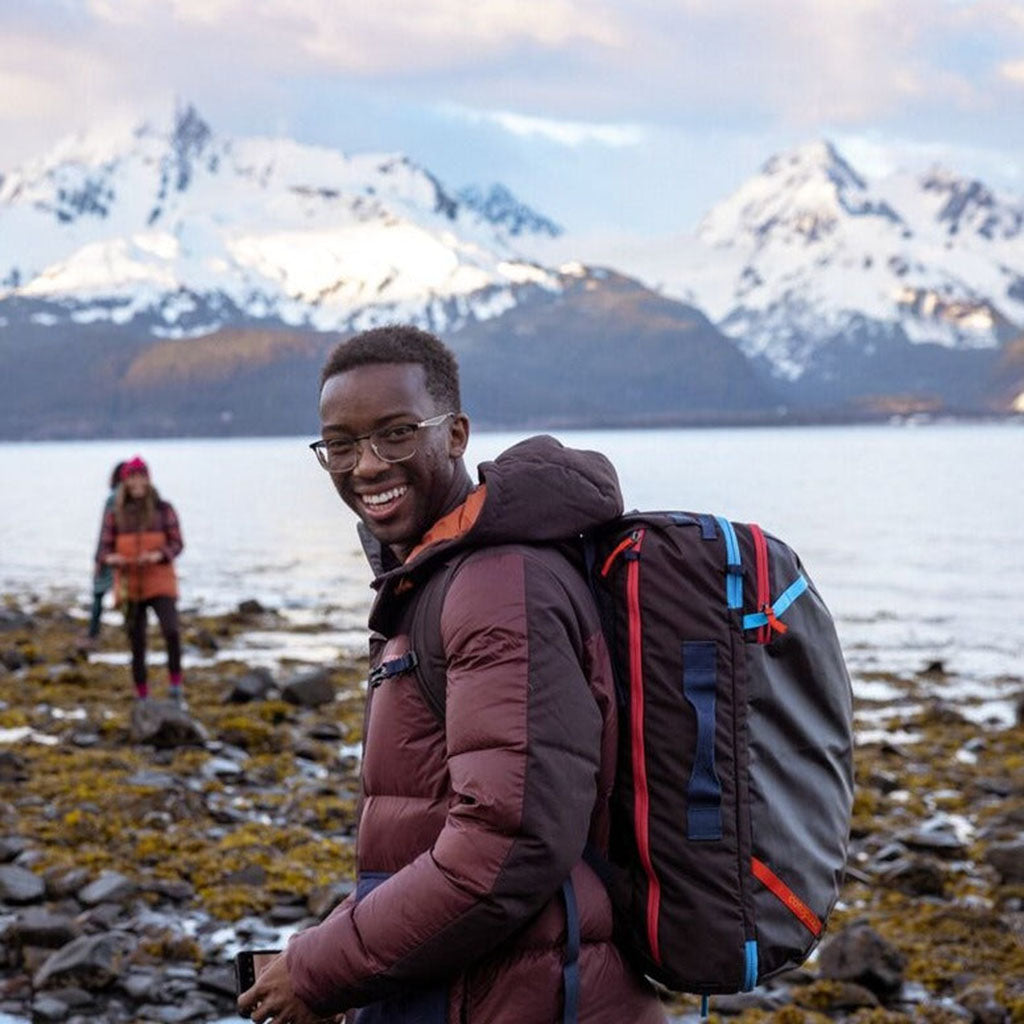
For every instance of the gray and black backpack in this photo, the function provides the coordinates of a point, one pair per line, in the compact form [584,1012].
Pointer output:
[734,784]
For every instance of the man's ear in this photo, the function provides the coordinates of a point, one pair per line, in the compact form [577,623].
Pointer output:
[458,435]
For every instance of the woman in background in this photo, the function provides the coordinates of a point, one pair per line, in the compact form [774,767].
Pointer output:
[103,576]
[141,538]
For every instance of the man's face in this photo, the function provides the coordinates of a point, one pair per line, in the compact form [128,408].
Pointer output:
[398,501]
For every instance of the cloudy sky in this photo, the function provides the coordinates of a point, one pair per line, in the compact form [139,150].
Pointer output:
[613,117]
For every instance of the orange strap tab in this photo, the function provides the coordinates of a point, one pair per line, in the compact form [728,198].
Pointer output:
[799,909]
[773,622]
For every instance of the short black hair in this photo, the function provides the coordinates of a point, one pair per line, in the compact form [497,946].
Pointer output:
[401,343]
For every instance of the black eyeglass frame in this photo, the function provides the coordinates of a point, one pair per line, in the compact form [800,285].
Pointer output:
[321,447]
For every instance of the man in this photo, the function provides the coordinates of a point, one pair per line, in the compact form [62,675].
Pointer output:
[478,801]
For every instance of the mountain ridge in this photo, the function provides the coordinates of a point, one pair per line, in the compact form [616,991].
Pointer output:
[201,278]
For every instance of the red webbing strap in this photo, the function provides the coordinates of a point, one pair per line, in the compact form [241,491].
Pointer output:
[764,594]
[797,907]
[641,797]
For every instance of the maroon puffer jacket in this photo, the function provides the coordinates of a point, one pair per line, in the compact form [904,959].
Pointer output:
[469,827]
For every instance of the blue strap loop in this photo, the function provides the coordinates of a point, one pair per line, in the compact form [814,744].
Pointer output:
[779,606]
[750,980]
[733,565]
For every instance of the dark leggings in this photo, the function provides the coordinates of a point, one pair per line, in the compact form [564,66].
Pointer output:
[135,623]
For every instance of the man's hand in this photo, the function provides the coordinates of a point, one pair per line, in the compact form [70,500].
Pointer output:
[273,998]
[151,557]
[114,559]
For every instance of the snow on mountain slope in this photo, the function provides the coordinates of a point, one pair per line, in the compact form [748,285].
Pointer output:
[808,251]
[180,224]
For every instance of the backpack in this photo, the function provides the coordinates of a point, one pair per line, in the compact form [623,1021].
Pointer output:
[734,784]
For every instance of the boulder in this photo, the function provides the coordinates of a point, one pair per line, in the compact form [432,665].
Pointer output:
[37,927]
[91,961]
[1008,860]
[163,724]
[254,685]
[309,689]
[859,954]
[915,876]
[19,885]
[110,887]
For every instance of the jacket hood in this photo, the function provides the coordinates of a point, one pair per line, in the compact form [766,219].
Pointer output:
[538,491]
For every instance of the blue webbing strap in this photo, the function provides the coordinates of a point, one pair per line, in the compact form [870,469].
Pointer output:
[750,979]
[784,600]
[571,970]
[703,792]
[733,565]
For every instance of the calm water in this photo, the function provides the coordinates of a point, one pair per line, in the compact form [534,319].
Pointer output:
[914,536]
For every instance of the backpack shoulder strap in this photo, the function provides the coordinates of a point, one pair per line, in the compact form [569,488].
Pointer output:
[425,635]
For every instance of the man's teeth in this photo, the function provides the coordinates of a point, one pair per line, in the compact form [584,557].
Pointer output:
[384,496]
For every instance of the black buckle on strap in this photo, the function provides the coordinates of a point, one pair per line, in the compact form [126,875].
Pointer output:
[393,667]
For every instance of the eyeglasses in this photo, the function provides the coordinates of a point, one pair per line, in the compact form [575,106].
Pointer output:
[389,444]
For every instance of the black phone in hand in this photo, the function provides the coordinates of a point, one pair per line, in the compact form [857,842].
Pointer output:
[248,964]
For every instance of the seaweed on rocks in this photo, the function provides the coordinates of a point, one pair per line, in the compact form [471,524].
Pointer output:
[140,867]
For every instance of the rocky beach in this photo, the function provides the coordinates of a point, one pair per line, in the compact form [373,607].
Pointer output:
[142,844]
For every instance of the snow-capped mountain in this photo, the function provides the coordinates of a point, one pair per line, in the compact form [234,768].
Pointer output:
[809,257]
[186,230]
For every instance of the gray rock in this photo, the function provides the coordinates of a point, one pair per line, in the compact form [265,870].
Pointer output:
[66,882]
[942,842]
[110,887]
[46,1007]
[251,874]
[915,876]
[287,913]
[91,961]
[195,1008]
[740,1002]
[219,980]
[327,731]
[859,954]
[12,767]
[177,890]
[13,618]
[1008,860]
[19,885]
[11,847]
[139,984]
[309,689]
[254,685]
[163,724]
[38,927]
[224,768]
[152,780]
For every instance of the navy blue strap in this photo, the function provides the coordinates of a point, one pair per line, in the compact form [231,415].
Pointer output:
[704,792]
[708,531]
[571,970]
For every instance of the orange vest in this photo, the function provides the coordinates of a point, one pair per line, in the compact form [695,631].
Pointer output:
[140,582]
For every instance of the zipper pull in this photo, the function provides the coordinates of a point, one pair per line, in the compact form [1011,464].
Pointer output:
[629,547]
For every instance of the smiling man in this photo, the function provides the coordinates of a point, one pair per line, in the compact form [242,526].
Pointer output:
[490,729]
